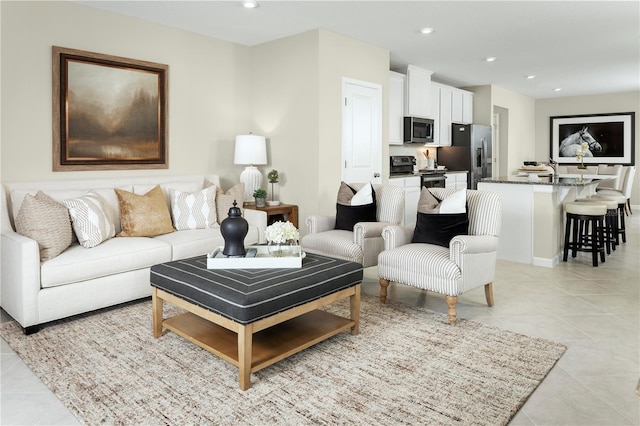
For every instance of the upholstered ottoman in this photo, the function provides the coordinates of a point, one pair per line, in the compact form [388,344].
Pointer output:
[224,302]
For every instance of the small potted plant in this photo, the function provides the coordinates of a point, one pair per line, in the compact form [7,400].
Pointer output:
[273,178]
[260,195]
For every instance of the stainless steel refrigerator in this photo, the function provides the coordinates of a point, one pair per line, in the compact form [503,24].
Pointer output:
[470,150]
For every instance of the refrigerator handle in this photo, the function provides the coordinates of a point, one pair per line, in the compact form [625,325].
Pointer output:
[479,157]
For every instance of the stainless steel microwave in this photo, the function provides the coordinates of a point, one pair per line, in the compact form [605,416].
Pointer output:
[418,130]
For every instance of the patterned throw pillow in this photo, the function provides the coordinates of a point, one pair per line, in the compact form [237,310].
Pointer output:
[43,219]
[193,210]
[224,200]
[144,215]
[91,220]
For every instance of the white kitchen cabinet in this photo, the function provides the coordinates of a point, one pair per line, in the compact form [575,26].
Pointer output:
[444,119]
[455,180]
[461,106]
[418,92]
[396,108]
[411,187]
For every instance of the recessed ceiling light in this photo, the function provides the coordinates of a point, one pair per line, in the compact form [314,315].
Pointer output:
[531,76]
[557,89]
[490,59]
[427,30]
[250,4]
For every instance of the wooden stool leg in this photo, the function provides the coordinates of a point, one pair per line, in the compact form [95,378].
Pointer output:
[567,232]
[622,224]
[383,289]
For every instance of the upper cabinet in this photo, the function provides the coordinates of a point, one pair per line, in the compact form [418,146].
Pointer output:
[450,105]
[418,92]
[396,107]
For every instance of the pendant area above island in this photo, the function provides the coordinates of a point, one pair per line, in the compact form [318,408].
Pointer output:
[532,214]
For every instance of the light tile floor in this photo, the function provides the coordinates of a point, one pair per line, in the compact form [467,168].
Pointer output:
[594,311]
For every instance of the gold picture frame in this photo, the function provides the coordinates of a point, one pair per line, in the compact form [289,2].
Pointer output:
[109,112]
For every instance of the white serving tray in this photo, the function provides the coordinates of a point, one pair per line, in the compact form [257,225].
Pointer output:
[261,260]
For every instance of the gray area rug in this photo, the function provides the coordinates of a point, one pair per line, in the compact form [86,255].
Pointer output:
[407,366]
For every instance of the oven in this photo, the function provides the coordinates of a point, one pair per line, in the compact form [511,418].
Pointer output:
[432,180]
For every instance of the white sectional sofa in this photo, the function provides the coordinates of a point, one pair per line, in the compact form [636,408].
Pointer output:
[84,279]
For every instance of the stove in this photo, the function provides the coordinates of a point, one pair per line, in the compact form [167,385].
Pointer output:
[402,165]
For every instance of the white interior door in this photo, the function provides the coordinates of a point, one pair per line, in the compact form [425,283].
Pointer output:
[361,131]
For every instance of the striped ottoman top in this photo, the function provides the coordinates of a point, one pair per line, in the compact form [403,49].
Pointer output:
[247,295]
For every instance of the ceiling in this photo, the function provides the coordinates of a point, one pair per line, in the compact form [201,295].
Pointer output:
[584,48]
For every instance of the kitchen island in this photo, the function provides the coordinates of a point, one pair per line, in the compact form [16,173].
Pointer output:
[532,214]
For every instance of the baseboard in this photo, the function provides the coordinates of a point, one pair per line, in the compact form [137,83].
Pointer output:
[546,262]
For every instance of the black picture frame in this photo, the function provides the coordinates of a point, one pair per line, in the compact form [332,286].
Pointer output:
[613,134]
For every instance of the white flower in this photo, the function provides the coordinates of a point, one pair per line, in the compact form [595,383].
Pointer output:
[281,232]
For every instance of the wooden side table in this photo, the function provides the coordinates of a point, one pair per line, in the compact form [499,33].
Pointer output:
[282,212]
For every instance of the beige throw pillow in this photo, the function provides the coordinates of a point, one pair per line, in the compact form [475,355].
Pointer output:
[144,215]
[43,219]
[224,200]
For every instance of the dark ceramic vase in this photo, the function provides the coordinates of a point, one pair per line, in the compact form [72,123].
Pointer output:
[233,229]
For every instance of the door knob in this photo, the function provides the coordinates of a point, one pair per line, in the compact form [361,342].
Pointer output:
[376,175]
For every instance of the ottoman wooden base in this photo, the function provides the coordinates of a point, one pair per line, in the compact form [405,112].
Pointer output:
[254,346]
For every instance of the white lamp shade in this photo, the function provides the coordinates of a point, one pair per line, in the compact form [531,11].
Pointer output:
[250,149]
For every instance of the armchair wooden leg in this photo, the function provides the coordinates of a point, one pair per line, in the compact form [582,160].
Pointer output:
[451,301]
[383,289]
[488,292]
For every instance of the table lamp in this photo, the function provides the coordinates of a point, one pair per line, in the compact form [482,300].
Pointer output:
[250,150]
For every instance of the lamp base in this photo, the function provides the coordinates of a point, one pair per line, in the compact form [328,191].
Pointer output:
[252,179]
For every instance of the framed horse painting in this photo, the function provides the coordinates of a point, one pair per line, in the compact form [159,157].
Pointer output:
[594,138]
[109,112]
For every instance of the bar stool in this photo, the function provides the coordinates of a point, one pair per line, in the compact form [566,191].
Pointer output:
[610,221]
[622,201]
[587,218]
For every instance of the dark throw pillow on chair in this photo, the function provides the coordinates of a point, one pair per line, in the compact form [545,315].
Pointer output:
[350,208]
[439,221]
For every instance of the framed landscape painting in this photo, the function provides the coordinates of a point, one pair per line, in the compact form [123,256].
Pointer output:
[109,112]
[610,138]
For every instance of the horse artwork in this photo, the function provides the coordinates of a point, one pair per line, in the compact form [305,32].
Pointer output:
[571,145]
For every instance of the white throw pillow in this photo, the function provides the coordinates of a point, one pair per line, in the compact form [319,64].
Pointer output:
[193,210]
[455,203]
[363,196]
[91,220]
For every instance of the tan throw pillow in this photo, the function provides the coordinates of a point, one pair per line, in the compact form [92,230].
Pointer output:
[224,200]
[91,220]
[43,219]
[193,210]
[144,215]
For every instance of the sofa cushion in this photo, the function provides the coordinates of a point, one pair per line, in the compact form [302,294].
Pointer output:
[224,200]
[193,210]
[90,218]
[144,215]
[43,219]
[111,257]
[197,242]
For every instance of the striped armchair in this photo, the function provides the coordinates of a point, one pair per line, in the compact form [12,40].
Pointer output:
[468,262]
[364,243]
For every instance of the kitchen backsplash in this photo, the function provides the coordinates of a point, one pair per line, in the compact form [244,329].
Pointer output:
[416,151]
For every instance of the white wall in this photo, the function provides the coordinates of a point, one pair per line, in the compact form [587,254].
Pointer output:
[592,104]
[208,90]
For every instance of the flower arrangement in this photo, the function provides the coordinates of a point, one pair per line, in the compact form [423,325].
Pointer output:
[281,233]
[584,147]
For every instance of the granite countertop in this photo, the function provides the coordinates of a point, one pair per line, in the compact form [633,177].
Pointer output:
[562,180]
